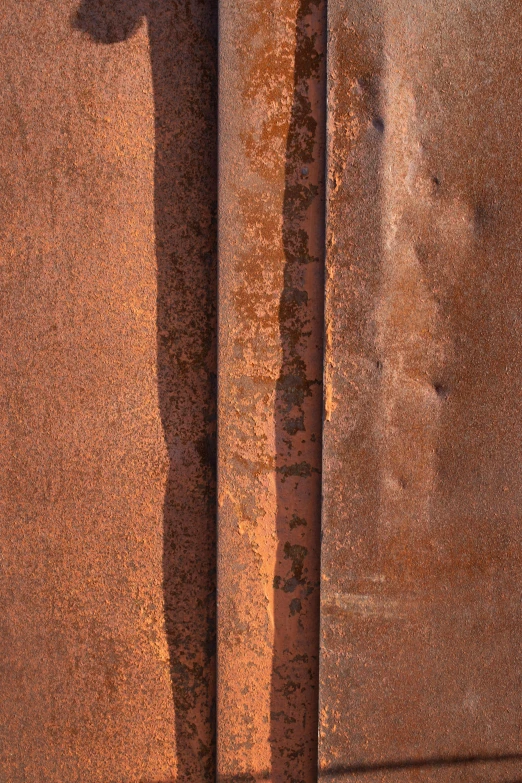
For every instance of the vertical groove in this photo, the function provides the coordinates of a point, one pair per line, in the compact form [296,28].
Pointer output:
[298,415]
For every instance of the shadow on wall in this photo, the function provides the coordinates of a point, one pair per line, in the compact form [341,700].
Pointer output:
[419,764]
[183,52]
[298,415]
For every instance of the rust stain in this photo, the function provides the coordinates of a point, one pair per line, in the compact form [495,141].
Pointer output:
[298,416]
[270,405]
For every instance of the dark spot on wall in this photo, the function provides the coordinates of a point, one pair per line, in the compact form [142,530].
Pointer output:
[296,553]
[295,606]
[441,390]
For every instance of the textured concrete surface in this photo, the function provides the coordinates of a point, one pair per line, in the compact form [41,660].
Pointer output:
[270,391]
[107,247]
[421,555]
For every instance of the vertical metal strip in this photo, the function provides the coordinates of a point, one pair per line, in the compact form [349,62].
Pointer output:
[270,391]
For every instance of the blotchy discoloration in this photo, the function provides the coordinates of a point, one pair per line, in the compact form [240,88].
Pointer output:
[421,559]
[272,157]
[251,263]
[298,414]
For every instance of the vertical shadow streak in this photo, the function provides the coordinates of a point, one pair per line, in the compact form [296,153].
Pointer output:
[298,416]
[183,51]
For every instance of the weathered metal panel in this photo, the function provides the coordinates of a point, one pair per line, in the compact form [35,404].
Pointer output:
[108,200]
[270,392]
[108,249]
[421,555]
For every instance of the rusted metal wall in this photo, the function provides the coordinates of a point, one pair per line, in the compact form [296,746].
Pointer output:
[421,559]
[108,208]
[109,400]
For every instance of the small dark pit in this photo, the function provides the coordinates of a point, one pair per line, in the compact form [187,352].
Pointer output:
[441,390]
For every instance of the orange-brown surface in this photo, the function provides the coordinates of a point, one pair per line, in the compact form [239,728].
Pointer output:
[108,202]
[270,387]
[421,555]
[108,249]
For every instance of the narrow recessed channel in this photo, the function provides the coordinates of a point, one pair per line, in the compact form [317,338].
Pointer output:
[298,415]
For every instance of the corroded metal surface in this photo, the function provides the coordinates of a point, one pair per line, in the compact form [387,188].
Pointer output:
[108,193]
[108,395]
[421,556]
[270,390]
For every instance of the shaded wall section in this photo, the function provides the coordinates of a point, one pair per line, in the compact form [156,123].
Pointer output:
[108,140]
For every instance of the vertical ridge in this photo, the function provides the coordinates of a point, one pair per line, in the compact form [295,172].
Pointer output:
[270,387]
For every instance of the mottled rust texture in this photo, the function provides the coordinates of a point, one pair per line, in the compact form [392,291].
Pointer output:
[108,158]
[298,416]
[421,555]
[270,400]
